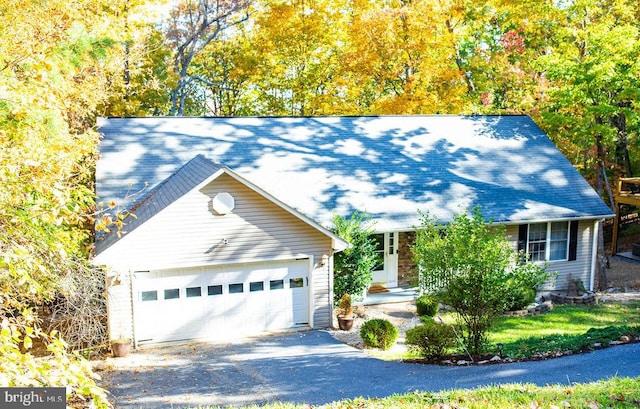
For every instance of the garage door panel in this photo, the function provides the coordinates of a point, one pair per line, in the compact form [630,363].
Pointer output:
[215,310]
[221,303]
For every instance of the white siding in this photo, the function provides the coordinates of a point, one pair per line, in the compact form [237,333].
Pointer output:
[321,299]
[189,233]
[578,269]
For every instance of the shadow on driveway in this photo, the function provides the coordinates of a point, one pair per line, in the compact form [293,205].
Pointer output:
[312,367]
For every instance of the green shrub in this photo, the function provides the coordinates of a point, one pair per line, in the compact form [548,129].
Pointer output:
[378,333]
[431,339]
[521,289]
[477,268]
[611,333]
[353,267]
[427,305]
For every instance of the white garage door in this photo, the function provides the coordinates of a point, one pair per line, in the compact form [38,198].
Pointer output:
[220,303]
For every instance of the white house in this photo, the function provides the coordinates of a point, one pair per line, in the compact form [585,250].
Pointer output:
[232,234]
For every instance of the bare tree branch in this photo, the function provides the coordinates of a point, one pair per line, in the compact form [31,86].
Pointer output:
[193,26]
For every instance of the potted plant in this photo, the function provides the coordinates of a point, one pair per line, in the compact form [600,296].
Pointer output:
[120,347]
[345,313]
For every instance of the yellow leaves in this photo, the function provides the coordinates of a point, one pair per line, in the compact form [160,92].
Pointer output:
[18,114]
[107,222]
[27,342]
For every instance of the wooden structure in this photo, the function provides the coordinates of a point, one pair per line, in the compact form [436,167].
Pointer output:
[628,192]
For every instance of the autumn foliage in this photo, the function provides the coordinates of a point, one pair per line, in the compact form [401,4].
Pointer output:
[574,66]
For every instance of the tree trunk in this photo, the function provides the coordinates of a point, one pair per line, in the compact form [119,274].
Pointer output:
[602,258]
[619,121]
[599,160]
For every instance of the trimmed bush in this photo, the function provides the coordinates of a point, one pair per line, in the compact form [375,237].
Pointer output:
[427,305]
[378,333]
[431,339]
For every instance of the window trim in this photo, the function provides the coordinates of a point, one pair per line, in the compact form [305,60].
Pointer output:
[571,235]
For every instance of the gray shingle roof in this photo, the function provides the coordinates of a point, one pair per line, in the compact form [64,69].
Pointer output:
[388,166]
[151,201]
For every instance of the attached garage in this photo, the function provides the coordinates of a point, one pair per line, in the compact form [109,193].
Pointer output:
[221,303]
[210,255]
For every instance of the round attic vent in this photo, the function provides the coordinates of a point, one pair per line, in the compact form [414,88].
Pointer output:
[223,203]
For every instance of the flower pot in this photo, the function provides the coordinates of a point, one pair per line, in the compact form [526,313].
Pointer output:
[345,323]
[120,348]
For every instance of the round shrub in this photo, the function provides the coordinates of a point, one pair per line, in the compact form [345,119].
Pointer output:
[427,305]
[378,333]
[431,339]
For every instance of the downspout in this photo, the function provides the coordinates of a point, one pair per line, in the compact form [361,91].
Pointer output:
[330,267]
[310,277]
[133,309]
[594,252]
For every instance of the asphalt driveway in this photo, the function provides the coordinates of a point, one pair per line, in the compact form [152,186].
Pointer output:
[312,367]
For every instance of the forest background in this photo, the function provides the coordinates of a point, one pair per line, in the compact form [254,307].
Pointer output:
[572,65]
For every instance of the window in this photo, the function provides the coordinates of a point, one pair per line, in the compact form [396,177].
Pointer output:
[276,284]
[149,296]
[296,282]
[537,247]
[256,286]
[558,241]
[194,292]
[379,244]
[214,290]
[548,241]
[236,288]
[171,294]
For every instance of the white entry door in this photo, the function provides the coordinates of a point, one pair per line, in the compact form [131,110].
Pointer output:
[386,271]
[220,302]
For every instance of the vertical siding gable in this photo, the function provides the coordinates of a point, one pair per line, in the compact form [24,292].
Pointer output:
[189,232]
[269,229]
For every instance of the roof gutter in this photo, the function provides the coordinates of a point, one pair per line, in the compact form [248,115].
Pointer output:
[561,219]
[512,223]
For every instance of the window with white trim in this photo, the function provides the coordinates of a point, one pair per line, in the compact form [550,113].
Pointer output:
[548,241]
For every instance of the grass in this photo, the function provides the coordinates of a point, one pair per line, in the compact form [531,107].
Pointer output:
[566,327]
[611,393]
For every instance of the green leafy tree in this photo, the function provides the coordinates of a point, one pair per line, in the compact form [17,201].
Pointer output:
[300,45]
[474,269]
[229,65]
[353,267]
[52,77]
[194,25]
[591,108]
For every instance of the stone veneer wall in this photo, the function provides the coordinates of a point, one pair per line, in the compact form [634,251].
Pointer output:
[407,271]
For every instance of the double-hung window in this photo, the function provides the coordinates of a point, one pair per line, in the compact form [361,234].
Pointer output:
[548,241]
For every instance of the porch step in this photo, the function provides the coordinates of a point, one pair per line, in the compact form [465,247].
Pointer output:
[393,295]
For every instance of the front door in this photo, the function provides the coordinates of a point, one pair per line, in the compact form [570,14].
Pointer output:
[386,271]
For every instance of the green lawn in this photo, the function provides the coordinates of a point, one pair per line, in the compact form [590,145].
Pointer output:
[566,319]
[565,327]
[612,393]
